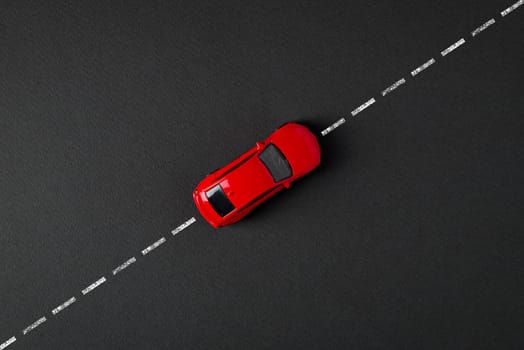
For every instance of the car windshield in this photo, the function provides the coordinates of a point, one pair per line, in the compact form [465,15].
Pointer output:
[275,162]
[219,201]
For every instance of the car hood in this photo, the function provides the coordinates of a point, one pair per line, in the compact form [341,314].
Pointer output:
[299,145]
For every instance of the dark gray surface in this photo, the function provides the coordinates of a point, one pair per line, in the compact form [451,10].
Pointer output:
[408,236]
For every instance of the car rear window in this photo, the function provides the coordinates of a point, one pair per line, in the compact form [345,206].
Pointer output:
[275,162]
[219,201]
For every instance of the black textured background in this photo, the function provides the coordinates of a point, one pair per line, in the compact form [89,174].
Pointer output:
[410,235]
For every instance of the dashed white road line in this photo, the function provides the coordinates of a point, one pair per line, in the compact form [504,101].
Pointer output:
[154,246]
[62,306]
[393,86]
[333,126]
[453,47]
[183,226]
[511,8]
[93,285]
[190,221]
[7,343]
[124,265]
[363,106]
[97,283]
[483,27]
[34,325]
[424,66]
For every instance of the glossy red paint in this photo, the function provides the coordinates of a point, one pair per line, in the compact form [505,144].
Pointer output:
[247,182]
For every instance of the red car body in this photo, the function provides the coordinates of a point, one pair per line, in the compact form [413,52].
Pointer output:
[228,194]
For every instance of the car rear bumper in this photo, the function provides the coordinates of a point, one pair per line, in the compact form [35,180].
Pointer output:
[205,209]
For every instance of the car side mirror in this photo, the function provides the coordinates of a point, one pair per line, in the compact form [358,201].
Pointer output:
[287,184]
[259,145]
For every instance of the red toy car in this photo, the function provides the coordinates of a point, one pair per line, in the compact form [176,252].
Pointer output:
[228,194]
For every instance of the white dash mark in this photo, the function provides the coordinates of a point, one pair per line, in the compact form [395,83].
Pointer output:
[422,67]
[183,226]
[512,7]
[93,285]
[7,343]
[34,325]
[483,27]
[333,126]
[63,305]
[363,106]
[393,87]
[153,246]
[124,265]
[453,47]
